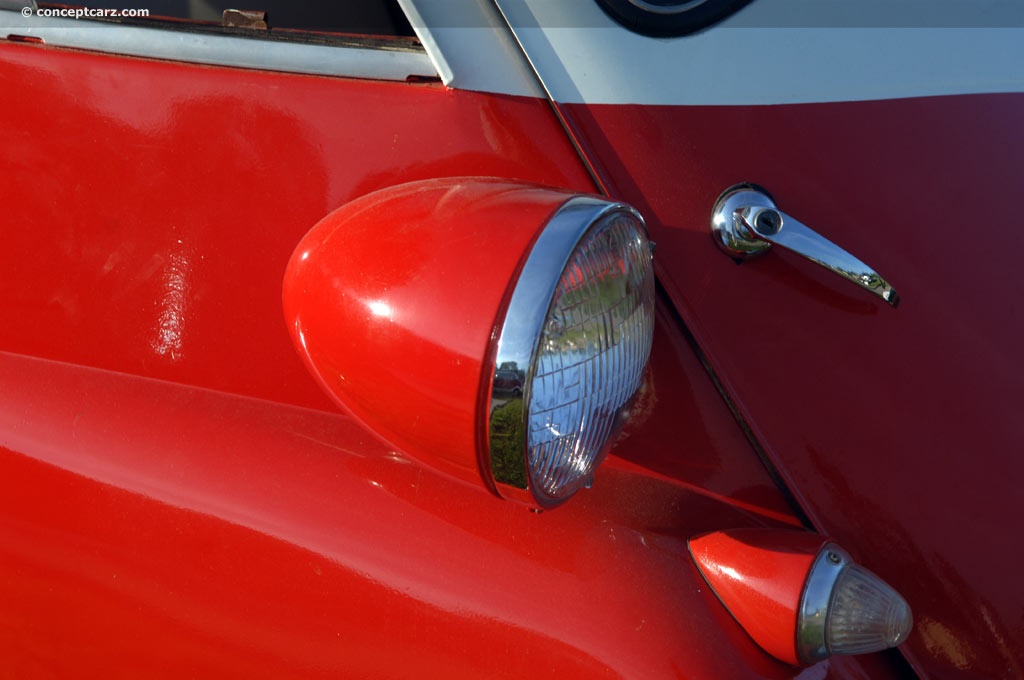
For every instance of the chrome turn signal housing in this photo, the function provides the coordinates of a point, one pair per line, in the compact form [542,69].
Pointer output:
[846,609]
[800,596]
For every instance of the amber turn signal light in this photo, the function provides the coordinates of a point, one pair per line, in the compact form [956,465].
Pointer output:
[800,596]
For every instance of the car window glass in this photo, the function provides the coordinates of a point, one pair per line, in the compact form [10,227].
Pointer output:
[274,18]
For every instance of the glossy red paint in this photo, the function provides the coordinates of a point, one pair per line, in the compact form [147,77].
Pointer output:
[759,575]
[897,430]
[170,530]
[393,302]
[156,204]
[169,502]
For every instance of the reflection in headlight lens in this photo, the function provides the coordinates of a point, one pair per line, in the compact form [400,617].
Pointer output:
[591,355]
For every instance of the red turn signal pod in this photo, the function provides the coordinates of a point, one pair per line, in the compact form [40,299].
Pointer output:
[801,597]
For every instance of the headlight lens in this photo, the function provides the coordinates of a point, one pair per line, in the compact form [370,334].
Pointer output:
[572,350]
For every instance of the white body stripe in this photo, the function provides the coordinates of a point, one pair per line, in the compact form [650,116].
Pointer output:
[584,57]
[778,65]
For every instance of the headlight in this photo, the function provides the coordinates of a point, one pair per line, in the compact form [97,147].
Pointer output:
[494,330]
[572,350]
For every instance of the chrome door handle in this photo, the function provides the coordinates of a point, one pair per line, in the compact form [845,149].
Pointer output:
[746,223]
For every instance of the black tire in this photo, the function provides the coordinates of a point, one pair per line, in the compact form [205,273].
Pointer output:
[675,21]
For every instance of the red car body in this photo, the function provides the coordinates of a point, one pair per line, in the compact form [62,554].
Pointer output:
[178,495]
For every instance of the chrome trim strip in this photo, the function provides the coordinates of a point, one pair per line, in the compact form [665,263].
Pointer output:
[520,334]
[220,50]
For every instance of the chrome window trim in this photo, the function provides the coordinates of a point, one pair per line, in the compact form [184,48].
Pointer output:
[220,50]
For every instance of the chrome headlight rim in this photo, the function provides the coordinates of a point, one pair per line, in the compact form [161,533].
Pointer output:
[504,456]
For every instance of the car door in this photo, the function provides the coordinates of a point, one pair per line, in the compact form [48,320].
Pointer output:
[892,131]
